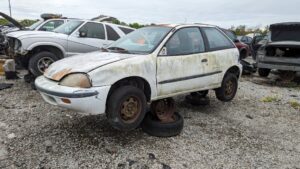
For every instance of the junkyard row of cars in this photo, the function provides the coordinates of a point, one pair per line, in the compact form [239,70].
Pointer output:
[119,71]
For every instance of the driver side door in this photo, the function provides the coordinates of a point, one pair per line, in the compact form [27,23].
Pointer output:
[183,65]
[90,37]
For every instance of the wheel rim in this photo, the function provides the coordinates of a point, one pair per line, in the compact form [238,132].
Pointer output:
[229,88]
[164,110]
[130,109]
[44,63]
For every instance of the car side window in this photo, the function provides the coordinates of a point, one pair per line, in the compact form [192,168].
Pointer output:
[185,41]
[50,25]
[111,33]
[93,30]
[217,40]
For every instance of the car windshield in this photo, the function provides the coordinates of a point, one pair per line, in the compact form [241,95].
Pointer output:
[142,41]
[68,27]
[35,25]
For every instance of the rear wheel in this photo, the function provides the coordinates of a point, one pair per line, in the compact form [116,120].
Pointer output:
[228,89]
[263,72]
[126,108]
[287,76]
[40,62]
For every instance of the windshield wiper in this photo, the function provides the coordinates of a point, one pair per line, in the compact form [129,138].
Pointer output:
[118,49]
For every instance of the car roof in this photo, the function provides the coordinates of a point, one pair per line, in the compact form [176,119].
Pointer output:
[184,25]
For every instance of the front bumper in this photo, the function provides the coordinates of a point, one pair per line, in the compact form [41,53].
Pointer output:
[90,101]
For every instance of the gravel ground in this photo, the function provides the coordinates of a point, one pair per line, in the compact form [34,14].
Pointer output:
[245,133]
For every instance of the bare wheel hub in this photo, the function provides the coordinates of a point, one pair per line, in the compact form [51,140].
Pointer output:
[130,109]
[164,110]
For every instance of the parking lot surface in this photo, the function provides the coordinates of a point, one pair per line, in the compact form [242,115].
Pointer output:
[260,128]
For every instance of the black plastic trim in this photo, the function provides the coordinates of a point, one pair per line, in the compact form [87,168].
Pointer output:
[189,77]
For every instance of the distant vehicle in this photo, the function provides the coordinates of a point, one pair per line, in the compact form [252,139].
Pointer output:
[48,23]
[245,39]
[36,50]
[256,43]
[150,64]
[281,52]
[243,48]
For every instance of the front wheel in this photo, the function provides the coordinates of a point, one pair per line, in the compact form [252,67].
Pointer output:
[40,62]
[228,89]
[126,108]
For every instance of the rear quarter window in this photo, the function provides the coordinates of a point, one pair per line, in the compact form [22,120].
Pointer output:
[111,33]
[216,39]
[126,30]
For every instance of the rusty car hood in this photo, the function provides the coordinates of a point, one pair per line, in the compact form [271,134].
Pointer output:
[83,63]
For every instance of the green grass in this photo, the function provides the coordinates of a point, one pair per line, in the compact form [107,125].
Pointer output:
[295,104]
[269,99]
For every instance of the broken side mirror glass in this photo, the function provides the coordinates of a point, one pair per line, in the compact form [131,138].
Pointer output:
[163,52]
[82,34]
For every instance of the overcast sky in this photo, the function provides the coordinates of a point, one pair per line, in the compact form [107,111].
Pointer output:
[219,12]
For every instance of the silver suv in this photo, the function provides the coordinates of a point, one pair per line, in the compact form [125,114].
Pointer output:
[36,50]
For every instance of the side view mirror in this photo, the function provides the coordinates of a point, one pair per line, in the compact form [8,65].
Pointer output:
[163,52]
[43,29]
[82,34]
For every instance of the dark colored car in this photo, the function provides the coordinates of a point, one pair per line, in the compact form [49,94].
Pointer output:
[243,48]
[245,39]
[281,52]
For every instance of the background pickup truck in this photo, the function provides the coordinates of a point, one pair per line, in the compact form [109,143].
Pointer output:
[36,50]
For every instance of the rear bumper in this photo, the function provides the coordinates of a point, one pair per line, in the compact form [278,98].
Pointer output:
[279,63]
[90,101]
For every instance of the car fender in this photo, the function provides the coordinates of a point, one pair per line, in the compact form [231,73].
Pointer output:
[141,66]
[34,45]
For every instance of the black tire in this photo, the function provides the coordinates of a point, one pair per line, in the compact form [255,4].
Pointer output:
[36,59]
[117,100]
[228,89]
[152,126]
[263,72]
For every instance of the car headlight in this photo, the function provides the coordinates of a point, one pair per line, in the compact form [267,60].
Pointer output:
[80,80]
[18,44]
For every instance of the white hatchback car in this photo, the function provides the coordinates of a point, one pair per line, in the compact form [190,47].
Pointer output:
[148,64]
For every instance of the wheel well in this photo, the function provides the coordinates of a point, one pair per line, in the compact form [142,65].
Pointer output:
[48,48]
[234,70]
[133,81]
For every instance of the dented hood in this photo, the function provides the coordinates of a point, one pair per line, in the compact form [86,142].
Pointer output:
[82,63]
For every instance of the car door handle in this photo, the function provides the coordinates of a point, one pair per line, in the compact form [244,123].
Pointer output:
[204,60]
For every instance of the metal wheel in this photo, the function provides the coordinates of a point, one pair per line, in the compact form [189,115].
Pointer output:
[130,109]
[44,63]
[229,88]
[164,110]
